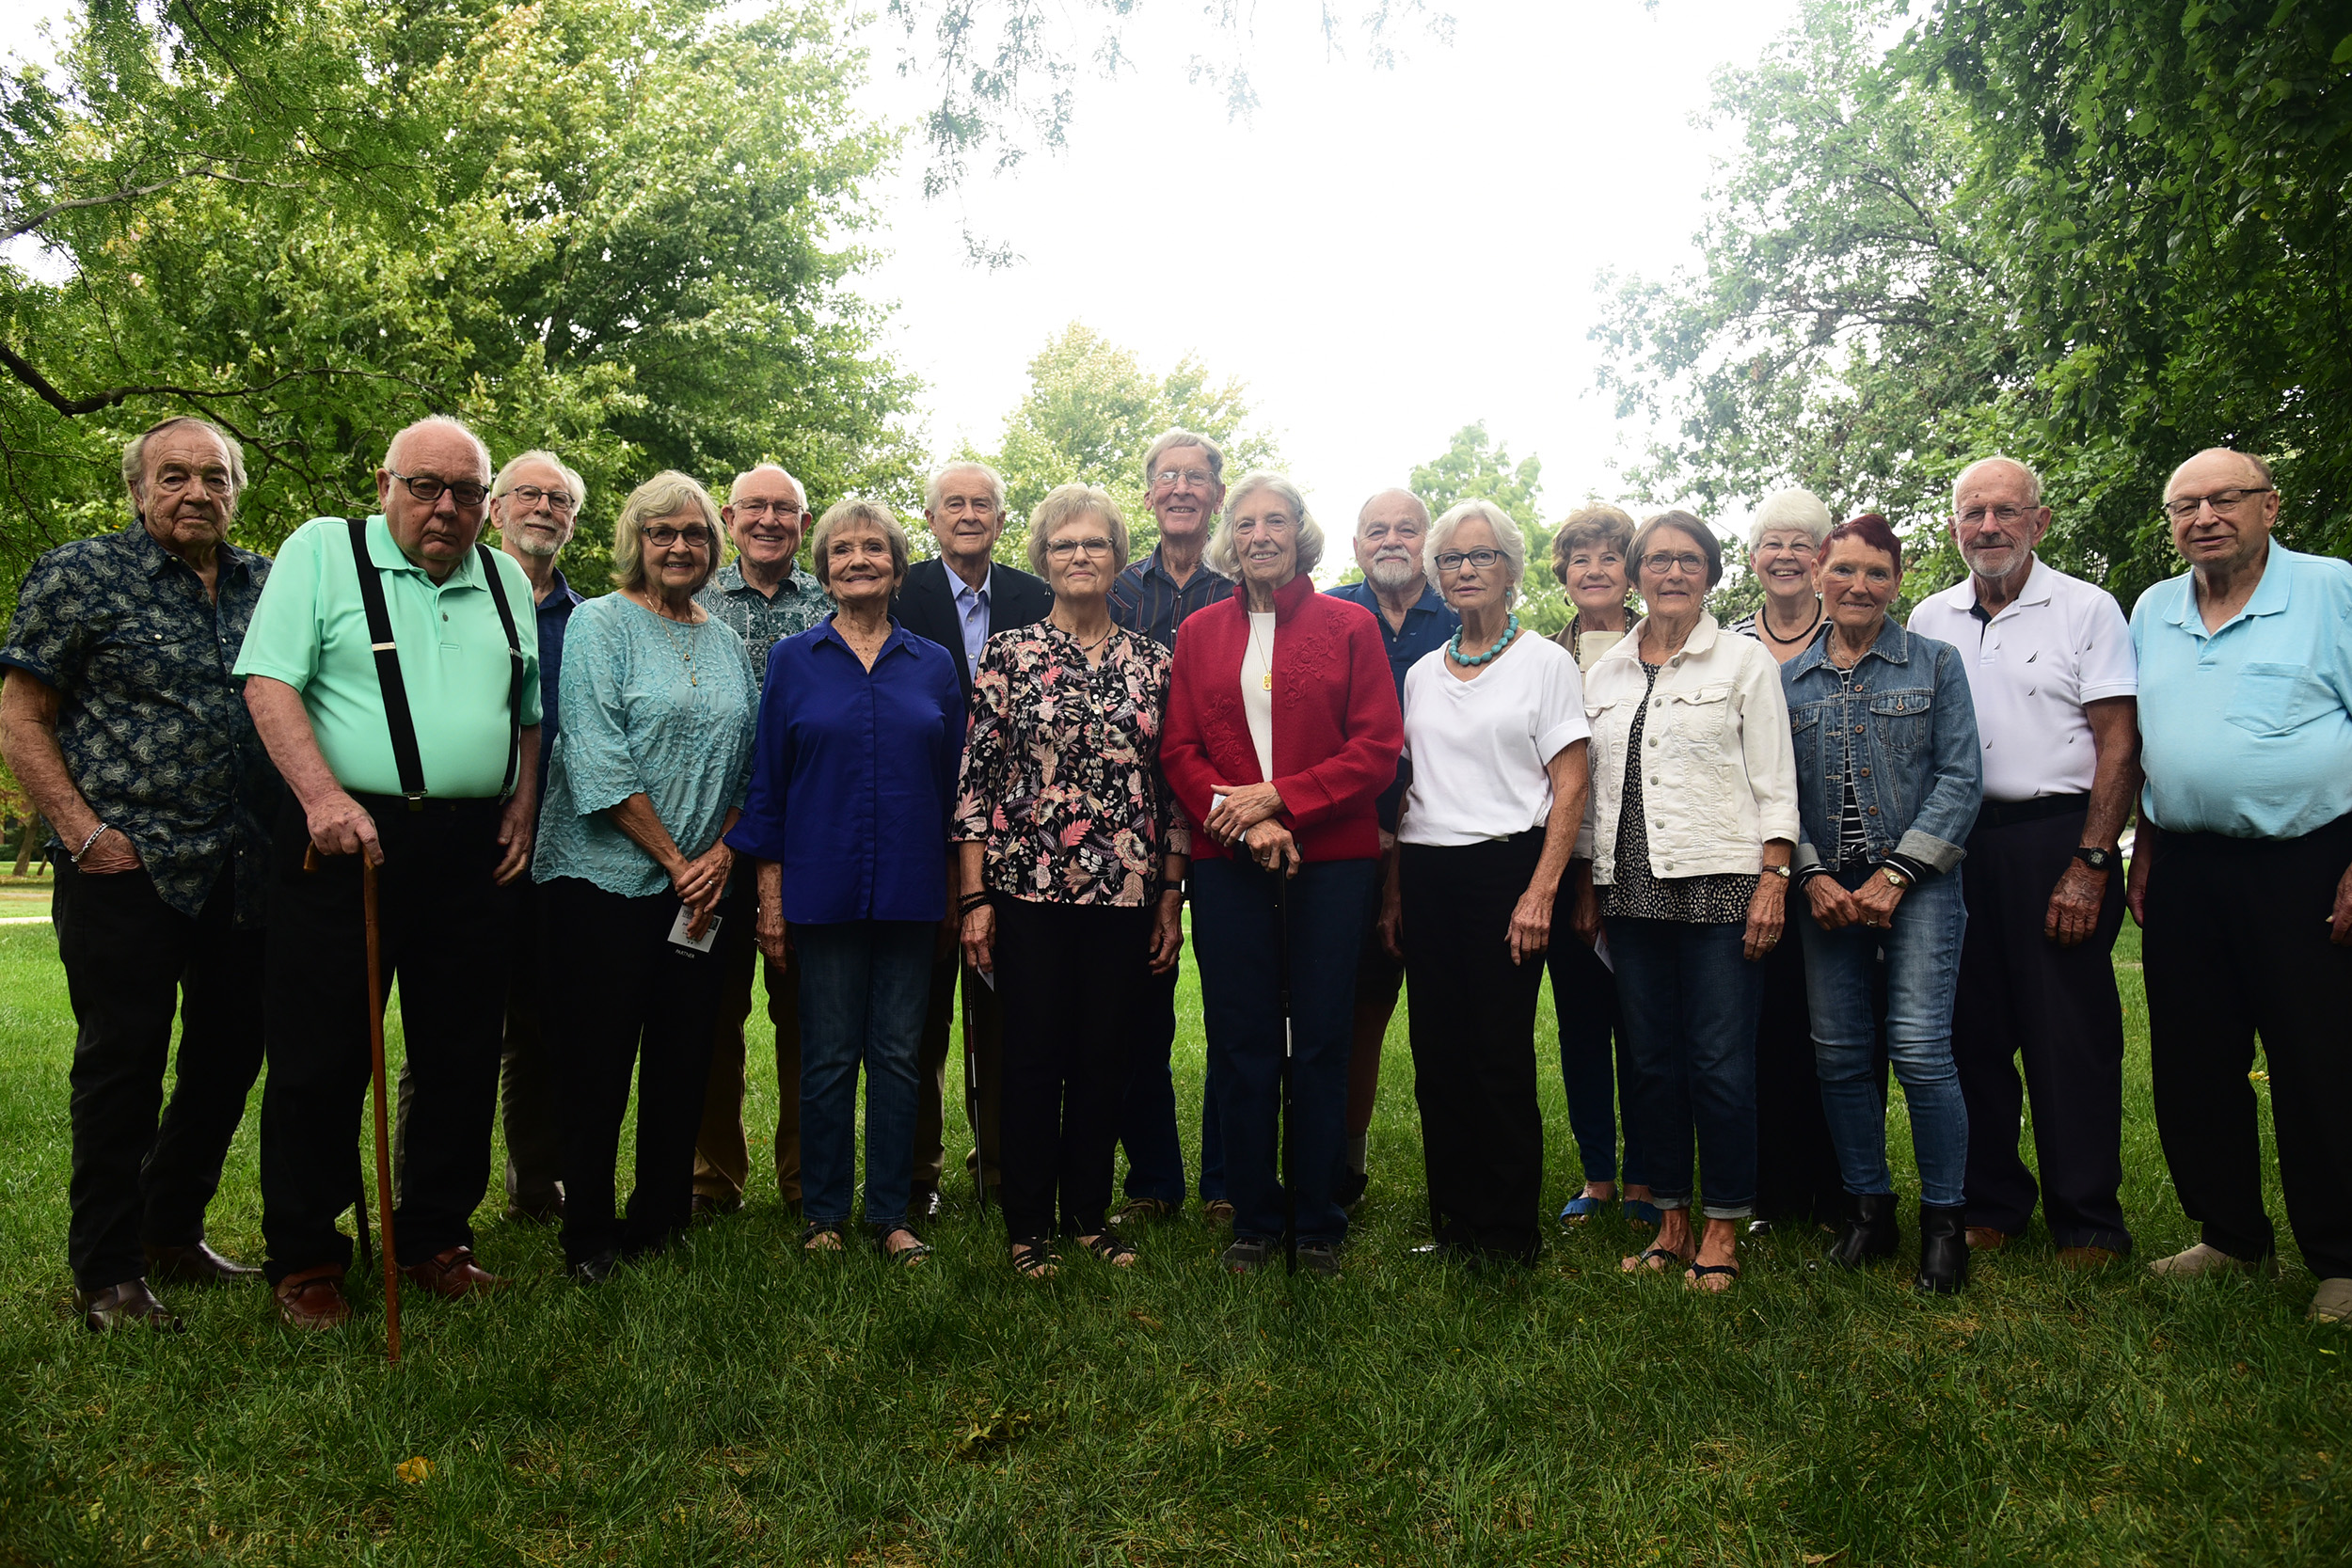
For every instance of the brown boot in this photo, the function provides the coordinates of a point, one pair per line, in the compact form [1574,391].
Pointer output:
[196,1264]
[313,1298]
[129,1304]
[451,1273]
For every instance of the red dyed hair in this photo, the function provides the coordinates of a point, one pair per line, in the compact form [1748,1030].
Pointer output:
[1868,529]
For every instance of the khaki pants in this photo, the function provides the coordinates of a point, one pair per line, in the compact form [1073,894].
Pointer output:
[941,1023]
[722,1159]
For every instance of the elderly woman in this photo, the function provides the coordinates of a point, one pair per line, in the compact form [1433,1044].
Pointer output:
[1889,779]
[1589,556]
[1073,861]
[853,780]
[1283,731]
[1494,723]
[647,775]
[1782,538]
[1694,818]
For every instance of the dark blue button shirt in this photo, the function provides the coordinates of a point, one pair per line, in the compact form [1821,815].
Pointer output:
[1428,626]
[1147,598]
[152,726]
[556,618]
[854,777]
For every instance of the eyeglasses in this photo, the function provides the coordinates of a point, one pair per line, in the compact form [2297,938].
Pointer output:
[661,536]
[1067,549]
[1199,479]
[2182,508]
[1663,561]
[172,481]
[1452,561]
[761,508]
[465,492]
[2008,516]
[560,501]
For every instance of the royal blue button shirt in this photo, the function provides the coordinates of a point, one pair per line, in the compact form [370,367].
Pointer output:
[854,777]
[1429,625]
[555,617]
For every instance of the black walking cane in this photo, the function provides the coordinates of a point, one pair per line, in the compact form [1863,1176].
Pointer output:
[1282,984]
[383,1122]
[972,1090]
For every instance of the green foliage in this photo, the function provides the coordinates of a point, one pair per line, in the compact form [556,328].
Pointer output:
[1474,466]
[605,227]
[1092,411]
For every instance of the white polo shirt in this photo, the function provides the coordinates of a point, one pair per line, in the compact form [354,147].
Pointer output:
[2060,643]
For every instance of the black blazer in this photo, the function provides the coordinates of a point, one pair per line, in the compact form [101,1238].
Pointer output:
[925,606]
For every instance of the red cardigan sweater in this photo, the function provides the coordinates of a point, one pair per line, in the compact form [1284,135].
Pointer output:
[1337,729]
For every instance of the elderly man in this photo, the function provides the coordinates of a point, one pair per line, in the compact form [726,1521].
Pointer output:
[386,675]
[1391,530]
[1183,476]
[958,600]
[121,720]
[2052,675]
[2242,872]
[765,600]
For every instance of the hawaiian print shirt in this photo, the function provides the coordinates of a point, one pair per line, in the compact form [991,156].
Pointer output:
[154,728]
[1061,768]
[762,621]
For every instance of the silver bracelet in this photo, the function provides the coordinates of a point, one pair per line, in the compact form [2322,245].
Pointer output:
[94,834]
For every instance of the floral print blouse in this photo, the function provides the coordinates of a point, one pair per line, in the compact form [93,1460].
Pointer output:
[1061,768]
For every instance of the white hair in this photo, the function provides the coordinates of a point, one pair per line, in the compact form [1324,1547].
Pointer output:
[2033,480]
[435,421]
[1222,558]
[572,481]
[930,485]
[1508,539]
[1420,505]
[1791,509]
[739,479]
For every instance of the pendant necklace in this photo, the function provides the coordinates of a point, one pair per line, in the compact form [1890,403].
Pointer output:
[1265,658]
[686,656]
[1454,648]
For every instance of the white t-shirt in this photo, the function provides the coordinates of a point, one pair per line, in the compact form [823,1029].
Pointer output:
[1480,748]
[1257,689]
[2060,643]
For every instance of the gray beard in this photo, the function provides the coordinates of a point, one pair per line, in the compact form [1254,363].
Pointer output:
[1393,576]
[529,545]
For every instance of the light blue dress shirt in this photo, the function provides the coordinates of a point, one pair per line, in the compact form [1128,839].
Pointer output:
[2246,729]
[639,717]
[972,615]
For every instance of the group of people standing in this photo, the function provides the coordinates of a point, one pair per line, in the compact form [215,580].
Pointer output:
[903,795]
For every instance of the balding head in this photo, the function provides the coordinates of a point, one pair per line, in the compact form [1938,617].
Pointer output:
[441,455]
[442,434]
[2222,504]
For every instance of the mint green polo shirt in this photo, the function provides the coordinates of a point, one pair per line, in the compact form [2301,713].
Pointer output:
[311,631]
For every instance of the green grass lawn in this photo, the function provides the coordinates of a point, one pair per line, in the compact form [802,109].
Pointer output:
[737,1402]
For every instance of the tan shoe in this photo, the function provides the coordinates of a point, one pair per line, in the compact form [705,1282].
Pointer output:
[1983,1237]
[313,1298]
[2202,1259]
[2332,1302]
[2080,1258]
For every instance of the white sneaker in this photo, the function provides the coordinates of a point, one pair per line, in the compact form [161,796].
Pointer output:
[2332,1303]
[2202,1259]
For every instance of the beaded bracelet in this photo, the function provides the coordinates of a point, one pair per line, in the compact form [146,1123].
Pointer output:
[94,834]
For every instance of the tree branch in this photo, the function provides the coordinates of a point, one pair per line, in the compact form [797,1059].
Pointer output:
[16,365]
[15,227]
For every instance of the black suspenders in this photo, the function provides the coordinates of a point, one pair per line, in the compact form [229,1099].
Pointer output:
[406,757]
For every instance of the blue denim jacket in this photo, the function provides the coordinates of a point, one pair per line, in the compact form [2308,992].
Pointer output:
[1920,772]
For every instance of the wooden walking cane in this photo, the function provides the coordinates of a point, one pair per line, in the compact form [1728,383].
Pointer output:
[972,1091]
[383,1122]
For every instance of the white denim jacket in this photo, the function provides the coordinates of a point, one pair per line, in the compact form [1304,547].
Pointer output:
[1720,775]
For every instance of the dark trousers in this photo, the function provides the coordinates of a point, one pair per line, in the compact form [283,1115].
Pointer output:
[1147,1113]
[2237,944]
[1239,941]
[1796,1165]
[439,925]
[626,1000]
[131,962]
[2022,996]
[1584,1002]
[723,1156]
[942,1028]
[1473,1035]
[1068,976]
[1691,1001]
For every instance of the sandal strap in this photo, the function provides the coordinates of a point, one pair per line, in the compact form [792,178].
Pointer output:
[1032,1258]
[1108,1246]
[820,1237]
[1731,1269]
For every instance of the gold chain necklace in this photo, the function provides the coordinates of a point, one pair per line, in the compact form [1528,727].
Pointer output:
[1265,656]
[686,654]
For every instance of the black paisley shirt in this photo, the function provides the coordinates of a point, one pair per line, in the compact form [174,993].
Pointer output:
[1061,768]
[154,729]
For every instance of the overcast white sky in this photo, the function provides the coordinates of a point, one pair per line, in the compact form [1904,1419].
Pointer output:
[1382,254]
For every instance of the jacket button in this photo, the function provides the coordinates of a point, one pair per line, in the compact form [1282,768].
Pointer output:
[1866,772]
[1874,811]
[1857,729]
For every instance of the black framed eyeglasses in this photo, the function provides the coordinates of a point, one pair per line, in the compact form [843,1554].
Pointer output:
[426,488]
[661,536]
[1481,558]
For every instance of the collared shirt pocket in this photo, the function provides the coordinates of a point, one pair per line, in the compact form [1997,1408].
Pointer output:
[2275,699]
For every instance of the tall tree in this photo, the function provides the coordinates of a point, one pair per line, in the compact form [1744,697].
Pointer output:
[1474,466]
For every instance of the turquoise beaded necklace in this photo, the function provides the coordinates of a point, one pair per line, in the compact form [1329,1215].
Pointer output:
[1454,649]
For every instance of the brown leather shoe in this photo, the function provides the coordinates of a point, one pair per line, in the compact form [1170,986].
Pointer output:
[1983,1237]
[129,1304]
[2087,1257]
[451,1273]
[196,1264]
[313,1298]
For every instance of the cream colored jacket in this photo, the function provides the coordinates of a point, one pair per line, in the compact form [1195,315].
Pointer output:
[1719,775]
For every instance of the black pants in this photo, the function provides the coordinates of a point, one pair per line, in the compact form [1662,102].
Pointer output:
[2023,996]
[1069,977]
[131,962]
[2237,944]
[624,1001]
[440,933]
[1473,1037]
[942,1029]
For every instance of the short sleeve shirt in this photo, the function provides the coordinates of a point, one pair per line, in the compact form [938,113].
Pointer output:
[1481,749]
[763,620]
[152,723]
[311,631]
[2060,645]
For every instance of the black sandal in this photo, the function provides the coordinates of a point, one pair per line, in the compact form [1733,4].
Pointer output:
[1692,1274]
[905,1257]
[1035,1260]
[821,1237]
[1666,1255]
[1111,1249]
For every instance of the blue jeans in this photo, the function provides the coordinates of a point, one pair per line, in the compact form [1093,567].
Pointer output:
[1237,941]
[1689,1002]
[1147,1113]
[1584,1001]
[863,987]
[1922,947]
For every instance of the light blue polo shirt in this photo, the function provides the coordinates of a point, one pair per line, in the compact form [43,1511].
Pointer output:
[2248,730]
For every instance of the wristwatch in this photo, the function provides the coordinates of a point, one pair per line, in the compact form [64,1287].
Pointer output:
[1894,877]
[1780,871]
[2098,860]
